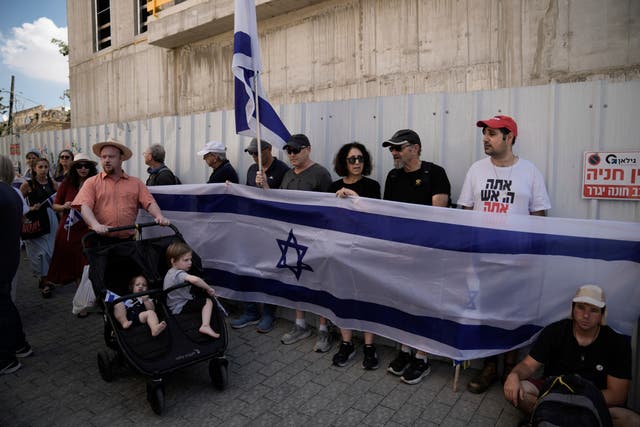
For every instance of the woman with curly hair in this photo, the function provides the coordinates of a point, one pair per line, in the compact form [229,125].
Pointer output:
[352,163]
[68,261]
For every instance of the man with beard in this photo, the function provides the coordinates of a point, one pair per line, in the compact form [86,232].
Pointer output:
[424,183]
[112,198]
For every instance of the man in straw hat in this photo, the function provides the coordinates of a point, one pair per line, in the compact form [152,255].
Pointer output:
[581,345]
[111,198]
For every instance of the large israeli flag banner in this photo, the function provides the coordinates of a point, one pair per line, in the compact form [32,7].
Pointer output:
[456,283]
[246,64]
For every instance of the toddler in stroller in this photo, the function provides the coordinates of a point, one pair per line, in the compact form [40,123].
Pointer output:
[182,300]
[139,310]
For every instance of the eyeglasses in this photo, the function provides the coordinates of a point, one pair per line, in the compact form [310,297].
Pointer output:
[64,157]
[353,159]
[393,148]
[81,166]
[295,150]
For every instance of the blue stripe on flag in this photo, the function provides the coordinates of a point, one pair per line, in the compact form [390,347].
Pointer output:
[242,43]
[462,238]
[457,335]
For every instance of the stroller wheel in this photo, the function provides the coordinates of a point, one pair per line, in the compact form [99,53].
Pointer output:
[218,372]
[105,366]
[155,396]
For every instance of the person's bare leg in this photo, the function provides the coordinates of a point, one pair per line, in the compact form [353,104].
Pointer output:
[322,321]
[151,319]
[527,404]
[299,314]
[120,313]
[206,320]
[623,417]
[368,338]
[346,334]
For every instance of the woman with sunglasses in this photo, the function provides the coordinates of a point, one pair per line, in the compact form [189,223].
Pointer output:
[352,163]
[65,158]
[68,261]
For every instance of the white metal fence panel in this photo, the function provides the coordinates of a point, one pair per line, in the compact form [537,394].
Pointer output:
[557,123]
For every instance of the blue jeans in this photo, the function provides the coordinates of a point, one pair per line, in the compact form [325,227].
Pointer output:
[252,309]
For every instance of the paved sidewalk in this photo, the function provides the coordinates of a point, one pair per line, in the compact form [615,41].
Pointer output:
[269,383]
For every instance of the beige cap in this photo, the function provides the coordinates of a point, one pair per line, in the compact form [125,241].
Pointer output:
[590,294]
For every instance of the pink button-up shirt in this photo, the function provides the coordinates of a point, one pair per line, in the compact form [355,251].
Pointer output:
[114,203]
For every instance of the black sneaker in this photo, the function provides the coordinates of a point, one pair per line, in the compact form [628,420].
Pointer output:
[9,366]
[24,351]
[370,361]
[416,371]
[400,363]
[344,354]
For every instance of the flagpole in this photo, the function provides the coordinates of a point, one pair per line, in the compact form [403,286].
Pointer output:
[256,92]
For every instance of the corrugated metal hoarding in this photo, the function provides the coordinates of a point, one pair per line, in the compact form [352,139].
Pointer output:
[557,124]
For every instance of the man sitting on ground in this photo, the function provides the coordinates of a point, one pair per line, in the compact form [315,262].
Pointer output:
[580,345]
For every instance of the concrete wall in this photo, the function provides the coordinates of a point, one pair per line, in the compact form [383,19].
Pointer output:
[337,50]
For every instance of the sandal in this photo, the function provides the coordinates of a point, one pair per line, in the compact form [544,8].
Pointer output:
[481,382]
[46,288]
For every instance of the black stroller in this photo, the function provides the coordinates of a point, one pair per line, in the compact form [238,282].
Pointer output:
[112,264]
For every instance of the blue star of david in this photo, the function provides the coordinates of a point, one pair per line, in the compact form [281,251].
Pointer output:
[301,250]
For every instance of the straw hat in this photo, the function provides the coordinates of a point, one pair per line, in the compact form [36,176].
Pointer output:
[126,152]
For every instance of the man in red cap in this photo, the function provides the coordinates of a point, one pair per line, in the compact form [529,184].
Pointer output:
[502,183]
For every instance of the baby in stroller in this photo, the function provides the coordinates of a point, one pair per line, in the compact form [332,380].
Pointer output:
[139,310]
[182,300]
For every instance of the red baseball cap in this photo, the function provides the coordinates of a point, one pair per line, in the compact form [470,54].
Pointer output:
[497,122]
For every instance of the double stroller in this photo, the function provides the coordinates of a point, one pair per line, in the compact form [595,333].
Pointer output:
[112,265]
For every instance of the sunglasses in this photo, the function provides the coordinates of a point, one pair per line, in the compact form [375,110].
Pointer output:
[64,157]
[81,166]
[295,150]
[353,159]
[398,147]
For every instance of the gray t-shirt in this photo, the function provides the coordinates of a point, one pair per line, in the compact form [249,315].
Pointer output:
[178,298]
[314,178]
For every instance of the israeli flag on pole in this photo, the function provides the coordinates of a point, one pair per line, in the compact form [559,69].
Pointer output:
[246,67]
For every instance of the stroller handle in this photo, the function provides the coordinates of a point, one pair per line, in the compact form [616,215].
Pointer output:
[94,238]
[142,225]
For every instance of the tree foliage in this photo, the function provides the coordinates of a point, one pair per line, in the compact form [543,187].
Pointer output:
[63,47]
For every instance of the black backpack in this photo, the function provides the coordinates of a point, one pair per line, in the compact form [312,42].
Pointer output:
[570,400]
[165,171]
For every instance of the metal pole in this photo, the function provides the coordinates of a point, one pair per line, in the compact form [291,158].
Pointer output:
[13,78]
[256,82]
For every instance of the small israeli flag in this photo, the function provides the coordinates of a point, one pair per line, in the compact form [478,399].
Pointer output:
[73,218]
[112,296]
[49,201]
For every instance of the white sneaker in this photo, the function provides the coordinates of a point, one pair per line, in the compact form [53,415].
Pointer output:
[296,334]
[323,344]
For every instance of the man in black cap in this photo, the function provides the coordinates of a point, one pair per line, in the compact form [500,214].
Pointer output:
[274,169]
[310,176]
[424,183]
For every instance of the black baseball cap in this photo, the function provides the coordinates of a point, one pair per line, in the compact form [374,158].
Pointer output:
[401,137]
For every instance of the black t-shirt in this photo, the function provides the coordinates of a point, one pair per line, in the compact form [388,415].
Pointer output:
[418,186]
[274,174]
[560,353]
[365,187]
[225,172]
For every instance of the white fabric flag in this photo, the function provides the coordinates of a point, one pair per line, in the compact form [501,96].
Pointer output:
[457,283]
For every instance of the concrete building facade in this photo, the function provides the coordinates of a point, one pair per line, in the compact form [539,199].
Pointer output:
[127,66]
